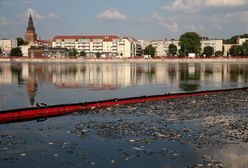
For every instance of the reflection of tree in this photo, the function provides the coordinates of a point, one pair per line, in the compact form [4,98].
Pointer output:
[186,77]
[234,73]
[16,69]
[83,69]
[172,72]
[189,86]
[151,73]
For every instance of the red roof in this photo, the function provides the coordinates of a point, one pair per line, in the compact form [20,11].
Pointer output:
[103,37]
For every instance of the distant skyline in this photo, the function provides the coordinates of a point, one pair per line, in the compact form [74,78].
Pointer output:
[142,19]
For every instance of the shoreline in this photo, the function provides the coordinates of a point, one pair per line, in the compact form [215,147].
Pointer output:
[142,60]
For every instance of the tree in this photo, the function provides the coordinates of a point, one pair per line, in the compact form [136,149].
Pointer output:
[236,50]
[190,42]
[20,41]
[73,52]
[245,48]
[83,54]
[16,52]
[218,53]
[172,50]
[0,50]
[233,40]
[98,55]
[150,50]
[208,51]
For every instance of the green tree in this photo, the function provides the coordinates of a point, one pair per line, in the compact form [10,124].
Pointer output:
[20,41]
[233,40]
[0,50]
[245,48]
[16,52]
[218,53]
[208,51]
[98,55]
[236,50]
[172,50]
[82,54]
[73,52]
[150,50]
[190,42]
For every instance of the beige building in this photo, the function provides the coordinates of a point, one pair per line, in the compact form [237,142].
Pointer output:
[6,45]
[241,40]
[162,46]
[216,44]
[107,45]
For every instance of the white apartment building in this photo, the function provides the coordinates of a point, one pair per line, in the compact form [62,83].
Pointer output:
[7,44]
[216,44]
[107,45]
[162,46]
[241,40]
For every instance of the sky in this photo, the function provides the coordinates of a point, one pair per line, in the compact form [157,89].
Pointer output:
[141,19]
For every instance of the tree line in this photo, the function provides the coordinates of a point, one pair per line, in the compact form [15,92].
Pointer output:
[190,42]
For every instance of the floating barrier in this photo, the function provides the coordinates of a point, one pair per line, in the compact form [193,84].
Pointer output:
[43,111]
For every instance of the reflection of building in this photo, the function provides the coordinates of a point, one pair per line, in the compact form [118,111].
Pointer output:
[6,45]
[47,51]
[30,35]
[31,88]
[5,73]
[106,76]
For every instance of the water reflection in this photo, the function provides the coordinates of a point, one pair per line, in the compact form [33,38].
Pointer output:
[154,78]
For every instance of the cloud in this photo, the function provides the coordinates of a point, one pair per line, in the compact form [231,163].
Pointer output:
[233,18]
[220,3]
[184,5]
[167,23]
[190,6]
[38,16]
[112,14]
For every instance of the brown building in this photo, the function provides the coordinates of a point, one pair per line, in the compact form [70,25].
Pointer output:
[30,35]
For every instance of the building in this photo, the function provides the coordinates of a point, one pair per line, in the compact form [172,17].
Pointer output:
[216,44]
[226,48]
[34,51]
[107,45]
[129,47]
[6,45]
[30,35]
[162,46]
[240,41]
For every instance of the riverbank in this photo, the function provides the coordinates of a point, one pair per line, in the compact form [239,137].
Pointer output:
[201,131]
[140,60]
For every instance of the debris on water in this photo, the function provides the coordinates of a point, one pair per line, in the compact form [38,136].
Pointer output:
[23,154]
[113,161]
[55,155]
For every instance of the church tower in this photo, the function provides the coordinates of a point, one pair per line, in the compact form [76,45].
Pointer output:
[30,35]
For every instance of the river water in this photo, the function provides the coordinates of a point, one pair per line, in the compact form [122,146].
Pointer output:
[25,84]
[164,134]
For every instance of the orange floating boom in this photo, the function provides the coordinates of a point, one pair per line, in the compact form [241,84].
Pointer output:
[58,110]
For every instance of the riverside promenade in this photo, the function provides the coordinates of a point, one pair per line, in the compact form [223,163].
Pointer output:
[131,60]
